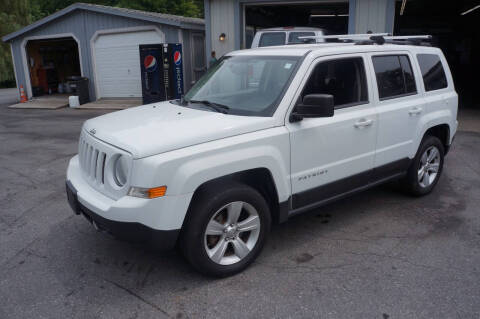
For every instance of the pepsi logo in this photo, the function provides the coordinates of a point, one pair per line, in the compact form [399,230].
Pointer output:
[177,57]
[150,63]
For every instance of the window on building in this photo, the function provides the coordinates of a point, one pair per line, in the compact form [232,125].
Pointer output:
[343,78]
[293,37]
[433,74]
[394,76]
[272,38]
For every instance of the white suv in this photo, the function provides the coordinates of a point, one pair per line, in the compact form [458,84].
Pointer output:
[264,135]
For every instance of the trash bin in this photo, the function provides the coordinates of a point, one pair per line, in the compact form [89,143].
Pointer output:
[79,87]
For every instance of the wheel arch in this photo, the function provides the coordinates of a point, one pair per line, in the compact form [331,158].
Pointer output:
[260,179]
[442,132]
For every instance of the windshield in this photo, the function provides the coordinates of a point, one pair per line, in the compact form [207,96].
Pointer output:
[245,85]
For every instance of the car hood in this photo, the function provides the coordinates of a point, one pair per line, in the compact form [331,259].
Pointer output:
[157,128]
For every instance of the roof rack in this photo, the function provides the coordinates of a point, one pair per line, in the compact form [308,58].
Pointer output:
[375,38]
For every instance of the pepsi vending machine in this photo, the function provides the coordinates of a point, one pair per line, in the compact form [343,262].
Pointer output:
[162,72]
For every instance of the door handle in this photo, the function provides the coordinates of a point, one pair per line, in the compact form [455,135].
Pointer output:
[363,123]
[415,110]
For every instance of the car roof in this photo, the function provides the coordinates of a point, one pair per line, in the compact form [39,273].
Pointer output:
[329,48]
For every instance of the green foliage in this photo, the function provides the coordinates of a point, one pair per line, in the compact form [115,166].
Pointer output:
[16,14]
[187,8]
[13,16]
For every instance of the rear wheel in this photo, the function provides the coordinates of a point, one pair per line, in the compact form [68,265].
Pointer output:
[226,229]
[426,167]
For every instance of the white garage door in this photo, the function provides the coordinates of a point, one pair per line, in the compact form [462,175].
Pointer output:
[117,62]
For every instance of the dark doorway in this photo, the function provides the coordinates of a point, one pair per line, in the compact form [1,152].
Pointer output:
[50,63]
[332,17]
[455,31]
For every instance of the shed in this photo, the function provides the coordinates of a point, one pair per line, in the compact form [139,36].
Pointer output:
[102,44]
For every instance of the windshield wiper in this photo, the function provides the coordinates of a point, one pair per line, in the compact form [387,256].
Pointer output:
[220,108]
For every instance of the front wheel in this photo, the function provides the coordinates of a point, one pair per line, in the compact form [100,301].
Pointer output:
[226,229]
[426,167]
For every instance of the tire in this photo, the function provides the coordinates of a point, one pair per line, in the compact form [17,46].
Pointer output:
[226,250]
[426,168]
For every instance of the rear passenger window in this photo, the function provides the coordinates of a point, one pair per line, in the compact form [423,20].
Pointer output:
[394,76]
[272,38]
[342,78]
[293,37]
[433,74]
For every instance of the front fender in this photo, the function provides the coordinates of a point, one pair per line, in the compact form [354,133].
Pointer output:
[184,170]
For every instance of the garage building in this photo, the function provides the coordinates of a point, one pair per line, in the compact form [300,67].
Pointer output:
[102,44]
[231,24]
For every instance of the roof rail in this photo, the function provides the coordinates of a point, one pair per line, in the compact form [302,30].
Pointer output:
[358,36]
[375,38]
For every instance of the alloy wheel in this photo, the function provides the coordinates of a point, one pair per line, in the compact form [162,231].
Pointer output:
[232,233]
[429,166]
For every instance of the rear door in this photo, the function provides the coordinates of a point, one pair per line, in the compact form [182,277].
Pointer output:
[400,106]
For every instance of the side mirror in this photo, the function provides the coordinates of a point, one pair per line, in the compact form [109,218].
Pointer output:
[313,105]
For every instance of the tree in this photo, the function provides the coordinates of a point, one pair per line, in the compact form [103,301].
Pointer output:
[187,8]
[14,15]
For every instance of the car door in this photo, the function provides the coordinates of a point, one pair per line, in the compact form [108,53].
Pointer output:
[400,108]
[333,155]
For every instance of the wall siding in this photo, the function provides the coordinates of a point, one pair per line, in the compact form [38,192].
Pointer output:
[370,16]
[222,21]
[84,24]
[187,61]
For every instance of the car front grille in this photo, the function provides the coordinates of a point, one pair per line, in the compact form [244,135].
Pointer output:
[96,160]
[92,161]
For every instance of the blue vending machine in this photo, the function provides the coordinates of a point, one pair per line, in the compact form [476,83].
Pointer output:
[162,72]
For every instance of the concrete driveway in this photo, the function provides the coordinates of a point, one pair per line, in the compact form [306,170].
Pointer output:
[9,96]
[379,254]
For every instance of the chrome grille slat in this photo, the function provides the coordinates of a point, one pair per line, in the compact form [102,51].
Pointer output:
[92,161]
[89,161]
[98,167]
[93,164]
[104,160]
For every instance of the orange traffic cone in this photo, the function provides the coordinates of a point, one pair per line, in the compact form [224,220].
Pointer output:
[23,97]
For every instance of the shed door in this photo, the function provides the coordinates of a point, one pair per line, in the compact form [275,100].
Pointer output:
[117,62]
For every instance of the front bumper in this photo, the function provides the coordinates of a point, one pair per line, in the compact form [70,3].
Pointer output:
[156,220]
[132,232]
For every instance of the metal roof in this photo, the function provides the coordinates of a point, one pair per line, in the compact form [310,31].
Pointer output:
[155,17]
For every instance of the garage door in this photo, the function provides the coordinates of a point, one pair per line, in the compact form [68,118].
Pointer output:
[117,62]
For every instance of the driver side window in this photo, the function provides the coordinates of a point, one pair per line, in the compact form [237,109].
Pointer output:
[344,79]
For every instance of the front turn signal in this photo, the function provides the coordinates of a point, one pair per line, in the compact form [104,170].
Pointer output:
[157,192]
[147,192]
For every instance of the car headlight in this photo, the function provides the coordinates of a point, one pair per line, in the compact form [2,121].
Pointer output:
[120,170]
